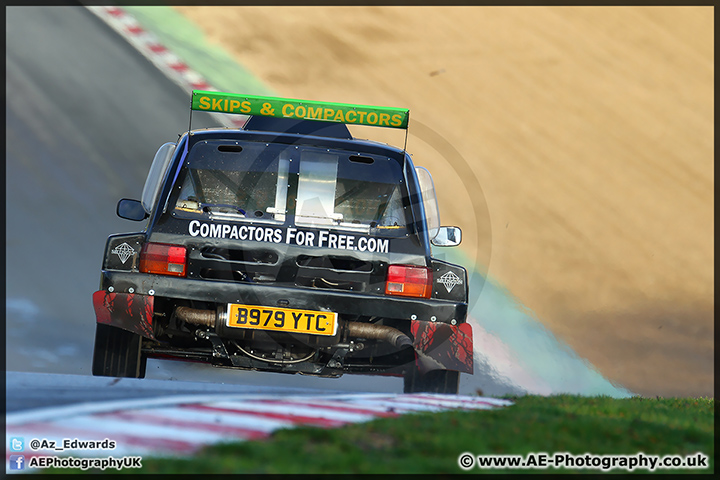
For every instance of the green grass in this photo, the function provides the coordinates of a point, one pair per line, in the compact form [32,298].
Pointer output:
[431,443]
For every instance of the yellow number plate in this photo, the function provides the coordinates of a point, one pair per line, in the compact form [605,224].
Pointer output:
[282,319]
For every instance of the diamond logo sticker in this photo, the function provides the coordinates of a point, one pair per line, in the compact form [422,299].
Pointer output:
[449,279]
[124,251]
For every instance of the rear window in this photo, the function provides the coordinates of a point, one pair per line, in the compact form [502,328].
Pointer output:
[307,186]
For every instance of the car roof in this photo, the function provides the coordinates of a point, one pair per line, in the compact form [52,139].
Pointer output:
[303,132]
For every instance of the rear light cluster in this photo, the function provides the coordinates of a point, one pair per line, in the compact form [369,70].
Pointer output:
[163,259]
[402,280]
[409,281]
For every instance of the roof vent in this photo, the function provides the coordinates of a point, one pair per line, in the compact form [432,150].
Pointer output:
[302,127]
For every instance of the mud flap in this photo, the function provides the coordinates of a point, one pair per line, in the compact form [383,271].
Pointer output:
[439,346]
[128,311]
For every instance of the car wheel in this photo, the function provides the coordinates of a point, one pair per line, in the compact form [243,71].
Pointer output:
[434,381]
[118,353]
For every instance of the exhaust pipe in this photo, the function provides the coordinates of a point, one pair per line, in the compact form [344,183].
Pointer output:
[391,335]
[195,316]
[379,332]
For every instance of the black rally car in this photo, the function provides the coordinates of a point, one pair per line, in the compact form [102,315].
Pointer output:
[286,246]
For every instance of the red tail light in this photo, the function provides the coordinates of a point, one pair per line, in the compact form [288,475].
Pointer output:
[163,259]
[409,281]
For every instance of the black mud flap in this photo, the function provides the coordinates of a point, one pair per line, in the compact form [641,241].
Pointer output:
[434,381]
[118,353]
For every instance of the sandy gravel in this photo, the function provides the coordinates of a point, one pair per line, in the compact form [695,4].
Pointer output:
[589,129]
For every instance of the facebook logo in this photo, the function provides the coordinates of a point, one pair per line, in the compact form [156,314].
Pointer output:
[17,462]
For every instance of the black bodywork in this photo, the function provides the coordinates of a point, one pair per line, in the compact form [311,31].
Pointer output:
[255,258]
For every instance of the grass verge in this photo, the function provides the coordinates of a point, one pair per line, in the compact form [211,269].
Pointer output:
[432,443]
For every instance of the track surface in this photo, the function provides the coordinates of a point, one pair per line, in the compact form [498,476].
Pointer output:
[31,391]
[79,138]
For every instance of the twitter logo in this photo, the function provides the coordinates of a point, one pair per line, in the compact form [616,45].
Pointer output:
[17,444]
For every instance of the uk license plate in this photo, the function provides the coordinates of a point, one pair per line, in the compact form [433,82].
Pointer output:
[282,319]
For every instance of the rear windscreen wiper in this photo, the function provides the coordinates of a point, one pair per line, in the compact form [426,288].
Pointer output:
[205,207]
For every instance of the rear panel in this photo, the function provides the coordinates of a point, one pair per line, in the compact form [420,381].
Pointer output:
[291,215]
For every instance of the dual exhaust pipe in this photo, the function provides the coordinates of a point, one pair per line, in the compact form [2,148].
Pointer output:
[393,336]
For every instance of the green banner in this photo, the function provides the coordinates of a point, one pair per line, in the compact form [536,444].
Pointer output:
[300,109]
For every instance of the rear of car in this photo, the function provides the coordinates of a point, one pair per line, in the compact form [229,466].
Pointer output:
[273,250]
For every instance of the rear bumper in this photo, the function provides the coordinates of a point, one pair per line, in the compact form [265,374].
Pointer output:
[344,303]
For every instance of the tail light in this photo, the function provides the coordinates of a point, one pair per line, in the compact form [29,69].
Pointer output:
[163,259]
[409,281]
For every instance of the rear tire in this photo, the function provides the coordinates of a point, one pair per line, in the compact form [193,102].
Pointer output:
[118,353]
[434,381]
